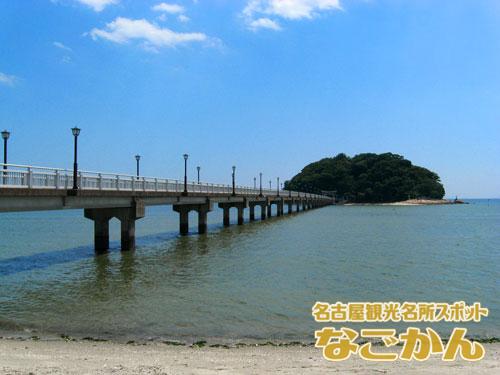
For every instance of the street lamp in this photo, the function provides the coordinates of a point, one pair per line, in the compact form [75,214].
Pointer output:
[198,169]
[260,184]
[270,185]
[76,133]
[137,159]
[255,183]
[234,172]
[5,136]
[278,186]
[185,156]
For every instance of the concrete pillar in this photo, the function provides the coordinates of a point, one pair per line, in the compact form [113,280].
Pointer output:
[241,211]
[252,212]
[290,207]
[297,206]
[202,221]
[101,235]
[279,208]
[185,209]
[269,210]
[226,218]
[127,217]
[183,221]
[101,219]
[262,212]
[226,206]
[127,233]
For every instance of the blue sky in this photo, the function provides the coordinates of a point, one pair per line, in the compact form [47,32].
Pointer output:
[266,85]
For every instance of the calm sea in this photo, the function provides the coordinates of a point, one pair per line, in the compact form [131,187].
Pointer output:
[257,281]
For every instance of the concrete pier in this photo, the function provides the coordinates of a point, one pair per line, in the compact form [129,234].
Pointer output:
[262,203]
[280,207]
[124,197]
[185,209]
[127,217]
[101,219]
[226,207]
[241,213]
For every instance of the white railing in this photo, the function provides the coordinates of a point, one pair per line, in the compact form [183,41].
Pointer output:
[31,177]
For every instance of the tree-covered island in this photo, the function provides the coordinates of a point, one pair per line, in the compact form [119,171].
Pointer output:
[369,178]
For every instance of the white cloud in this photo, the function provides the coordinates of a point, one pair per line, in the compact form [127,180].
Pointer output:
[123,30]
[264,23]
[98,5]
[8,80]
[258,13]
[165,8]
[61,46]
[168,8]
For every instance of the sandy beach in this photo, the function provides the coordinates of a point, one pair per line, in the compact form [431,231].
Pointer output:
[84,357]
[410,202]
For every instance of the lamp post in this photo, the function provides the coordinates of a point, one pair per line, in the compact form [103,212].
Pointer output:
[270,184]
[185,156]
[198,169]
[234,172]
[260,184]
[76,133]
[278,186]
[5,136]
[137,159]
[255,183]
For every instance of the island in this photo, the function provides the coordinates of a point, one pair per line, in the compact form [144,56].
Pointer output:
[370,178]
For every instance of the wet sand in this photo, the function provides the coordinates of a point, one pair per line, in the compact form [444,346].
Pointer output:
[86,357]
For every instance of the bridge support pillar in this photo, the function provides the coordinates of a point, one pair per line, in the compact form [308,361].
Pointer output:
[101,228]
[127,233]
[226,211]
[202,221]
[252,212]
[269,210]
[297,206]
[279,208]
[226,216]
[290,207]
[184,209]
[241,212]
[262,204]
[127,217]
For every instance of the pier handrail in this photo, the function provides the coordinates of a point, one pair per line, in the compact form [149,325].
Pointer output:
[36,177]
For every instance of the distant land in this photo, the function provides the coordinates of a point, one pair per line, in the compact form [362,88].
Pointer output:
[369,178]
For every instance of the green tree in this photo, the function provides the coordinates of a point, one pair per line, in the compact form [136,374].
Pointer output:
[369,178]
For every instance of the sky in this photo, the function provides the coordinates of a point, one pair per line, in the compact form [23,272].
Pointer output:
[266,85]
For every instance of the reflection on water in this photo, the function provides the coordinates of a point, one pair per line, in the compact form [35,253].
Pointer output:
[253,281]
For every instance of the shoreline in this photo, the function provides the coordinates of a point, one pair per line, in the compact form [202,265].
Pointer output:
[412,202]
[186,341]
[72,357]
